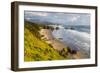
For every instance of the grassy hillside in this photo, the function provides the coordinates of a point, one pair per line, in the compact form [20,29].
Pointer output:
[36,49]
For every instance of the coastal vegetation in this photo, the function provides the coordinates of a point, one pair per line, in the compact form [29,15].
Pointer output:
[37,49]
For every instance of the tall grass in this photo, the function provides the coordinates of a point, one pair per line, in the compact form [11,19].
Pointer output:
[36,49]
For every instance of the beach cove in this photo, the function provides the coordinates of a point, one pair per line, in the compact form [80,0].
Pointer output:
[58,45]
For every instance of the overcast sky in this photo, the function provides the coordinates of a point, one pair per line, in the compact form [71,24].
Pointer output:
[58,17]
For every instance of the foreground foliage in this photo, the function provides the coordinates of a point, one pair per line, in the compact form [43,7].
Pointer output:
[36,49]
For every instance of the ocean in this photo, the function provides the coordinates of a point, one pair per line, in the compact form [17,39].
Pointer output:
[76,37]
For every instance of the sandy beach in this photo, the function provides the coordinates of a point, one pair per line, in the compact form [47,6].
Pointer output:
[48,37]
[58,45]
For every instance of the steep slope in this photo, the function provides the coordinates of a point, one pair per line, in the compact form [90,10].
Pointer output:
[36,49]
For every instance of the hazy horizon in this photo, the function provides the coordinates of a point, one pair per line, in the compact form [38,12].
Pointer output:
[58,17]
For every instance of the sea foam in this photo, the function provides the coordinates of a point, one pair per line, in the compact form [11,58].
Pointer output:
[76,40]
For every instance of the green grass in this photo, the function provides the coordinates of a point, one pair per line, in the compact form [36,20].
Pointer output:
[36,49]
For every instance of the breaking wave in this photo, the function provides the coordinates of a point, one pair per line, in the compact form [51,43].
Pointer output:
[76,40]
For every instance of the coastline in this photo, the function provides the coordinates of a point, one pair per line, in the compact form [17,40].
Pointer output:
[49,38]
[58,45]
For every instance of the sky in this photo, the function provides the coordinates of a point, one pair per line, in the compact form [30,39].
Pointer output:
[63,18]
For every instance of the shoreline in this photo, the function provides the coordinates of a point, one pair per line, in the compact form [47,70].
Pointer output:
[49,38]
[58,45]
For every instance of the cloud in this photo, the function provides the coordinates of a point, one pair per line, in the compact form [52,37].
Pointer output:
[59,18]
[36,13]
[74,18]
[28,18]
